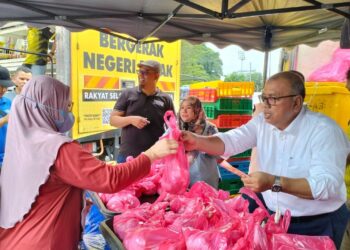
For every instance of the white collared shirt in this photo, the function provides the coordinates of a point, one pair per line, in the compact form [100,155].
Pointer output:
[313,147]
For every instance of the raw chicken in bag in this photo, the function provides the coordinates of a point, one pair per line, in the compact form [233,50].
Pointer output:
[176,175]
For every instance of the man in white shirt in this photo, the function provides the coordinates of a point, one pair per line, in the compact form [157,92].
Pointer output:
[301,154]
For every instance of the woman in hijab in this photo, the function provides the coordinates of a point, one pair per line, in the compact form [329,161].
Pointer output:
[44,172]
[203,167]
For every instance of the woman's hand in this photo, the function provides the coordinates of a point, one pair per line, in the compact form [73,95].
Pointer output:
[161,149]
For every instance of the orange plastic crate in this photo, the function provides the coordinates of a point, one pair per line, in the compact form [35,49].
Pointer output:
[205,95]
[231,121]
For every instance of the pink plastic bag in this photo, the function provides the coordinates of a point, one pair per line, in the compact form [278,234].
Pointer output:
[154,238]
[123,201]
[208,239]
[176,175]
[275,236]
[335,70]
[302,242]
[206,192]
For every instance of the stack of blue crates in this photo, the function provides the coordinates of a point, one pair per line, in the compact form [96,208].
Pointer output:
[240,165]
[231,182]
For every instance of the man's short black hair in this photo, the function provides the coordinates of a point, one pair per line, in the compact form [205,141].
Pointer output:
[22,69]
[348,75]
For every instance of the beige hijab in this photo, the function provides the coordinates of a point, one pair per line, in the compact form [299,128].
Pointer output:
[32,145]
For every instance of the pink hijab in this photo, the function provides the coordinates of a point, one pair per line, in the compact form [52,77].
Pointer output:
[32,144]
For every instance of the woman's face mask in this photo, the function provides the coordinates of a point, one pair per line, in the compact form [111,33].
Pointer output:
[67,118]
[67,123]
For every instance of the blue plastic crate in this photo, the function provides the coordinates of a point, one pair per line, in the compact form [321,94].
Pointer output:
[227,175]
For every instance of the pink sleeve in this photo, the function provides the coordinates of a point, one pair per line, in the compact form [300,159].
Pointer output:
[79,168]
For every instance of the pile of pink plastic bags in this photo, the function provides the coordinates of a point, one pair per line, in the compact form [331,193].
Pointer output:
[204,218]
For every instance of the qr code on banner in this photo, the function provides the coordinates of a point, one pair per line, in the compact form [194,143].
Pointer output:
[106,114]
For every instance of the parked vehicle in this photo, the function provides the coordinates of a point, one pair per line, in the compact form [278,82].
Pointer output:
[98,67]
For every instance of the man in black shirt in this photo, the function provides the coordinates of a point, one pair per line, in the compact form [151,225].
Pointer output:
[139,112]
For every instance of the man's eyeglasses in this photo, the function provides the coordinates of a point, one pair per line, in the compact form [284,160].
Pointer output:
[144,72]
[272,100]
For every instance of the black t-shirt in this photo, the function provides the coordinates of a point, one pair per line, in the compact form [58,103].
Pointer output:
[134,102]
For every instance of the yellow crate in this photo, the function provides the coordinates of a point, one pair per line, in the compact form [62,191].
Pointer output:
[331,99]
[324,84]
[227,89]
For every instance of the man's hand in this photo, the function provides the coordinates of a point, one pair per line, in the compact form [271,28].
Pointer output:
[189,139]
[259,181]
[119,120]
[139,121]
[212,145]
[4,120]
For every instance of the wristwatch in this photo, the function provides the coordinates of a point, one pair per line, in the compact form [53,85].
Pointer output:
[277,187]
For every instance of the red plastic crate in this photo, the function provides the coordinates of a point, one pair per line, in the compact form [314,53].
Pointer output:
[231,121]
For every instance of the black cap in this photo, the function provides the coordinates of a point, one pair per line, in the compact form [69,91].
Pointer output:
[5,79]
[151,64]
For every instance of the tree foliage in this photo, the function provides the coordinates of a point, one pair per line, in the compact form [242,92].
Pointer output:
[199,63]
[255,77]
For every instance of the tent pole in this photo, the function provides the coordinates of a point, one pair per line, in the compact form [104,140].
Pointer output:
[267,44]
[266,61]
